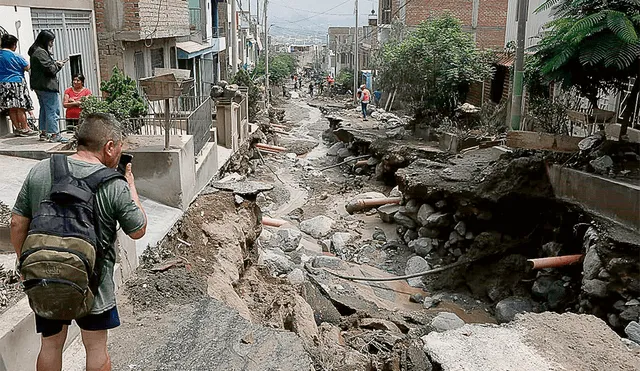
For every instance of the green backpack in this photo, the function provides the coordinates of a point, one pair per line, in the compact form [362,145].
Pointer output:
[61,259]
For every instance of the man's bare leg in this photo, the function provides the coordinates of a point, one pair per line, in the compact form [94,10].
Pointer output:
[95,343]
[50,356]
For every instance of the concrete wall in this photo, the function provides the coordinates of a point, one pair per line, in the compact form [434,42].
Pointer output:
[607,197]
[166,176]
[535,22]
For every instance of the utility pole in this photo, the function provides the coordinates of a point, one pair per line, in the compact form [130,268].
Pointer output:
[266,55]
[518,75]
[234,37]
[355,52]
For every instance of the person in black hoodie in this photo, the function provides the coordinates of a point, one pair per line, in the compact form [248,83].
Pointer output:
[44,81]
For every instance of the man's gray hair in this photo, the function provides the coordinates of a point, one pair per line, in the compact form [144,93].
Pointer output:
[96,130]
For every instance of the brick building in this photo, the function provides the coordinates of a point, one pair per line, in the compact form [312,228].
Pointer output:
[485,19]
[138,36]
[340,43]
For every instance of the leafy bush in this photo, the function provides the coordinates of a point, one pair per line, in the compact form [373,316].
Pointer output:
[547,116]
[121,99]
[345,78]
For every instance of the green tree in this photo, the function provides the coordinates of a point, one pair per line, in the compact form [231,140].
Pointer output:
[432,67]
[345,78]
[281,67]
[592,45]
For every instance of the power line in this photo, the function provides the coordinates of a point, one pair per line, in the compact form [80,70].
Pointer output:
[321,13]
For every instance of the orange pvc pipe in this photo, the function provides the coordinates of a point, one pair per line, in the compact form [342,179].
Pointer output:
[362,163]
[555,261]
[378,201]
[270,147]
[273,222]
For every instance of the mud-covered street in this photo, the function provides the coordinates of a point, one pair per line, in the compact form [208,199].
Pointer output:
[280,265]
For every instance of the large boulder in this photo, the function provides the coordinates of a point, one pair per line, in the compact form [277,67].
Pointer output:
[633,331]
[416,264]
[340,240]
[595,288]
[333,150]
[446,321]
[317,227]
[276,261]
[507,309]
[424,213]
[404,220]
[288,239]
[438,220]
[387,212]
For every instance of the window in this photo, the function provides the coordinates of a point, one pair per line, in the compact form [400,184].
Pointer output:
[75,62]
[173,57]
[138,65]
[386,12]
[157,59]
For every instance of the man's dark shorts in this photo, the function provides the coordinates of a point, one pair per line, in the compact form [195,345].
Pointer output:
[93,322]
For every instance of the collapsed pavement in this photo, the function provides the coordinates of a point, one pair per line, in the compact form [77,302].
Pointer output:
[278,287]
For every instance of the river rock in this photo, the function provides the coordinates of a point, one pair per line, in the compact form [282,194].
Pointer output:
[557,295]
[437,220]
[423,214]
[410,235]
[541,287]
[387,212]
[416,264]
[379,235]
[430,302]
[428,232]
[296,276]
[422,246]
[395,192]
[461,228]
[288,239]
[340,240]
[276,262]
[445,321]
[631,314]
[507,309]
[454,238]
[317,227]
[333,150]
[412,206]
[595,288]
[551,248]
[591,265]
[343,153]
[404,220]
[633,331]
[602,164]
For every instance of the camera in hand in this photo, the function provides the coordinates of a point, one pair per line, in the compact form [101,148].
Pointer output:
[125,159]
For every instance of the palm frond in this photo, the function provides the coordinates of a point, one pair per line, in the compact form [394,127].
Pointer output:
[547,5]
[621,26]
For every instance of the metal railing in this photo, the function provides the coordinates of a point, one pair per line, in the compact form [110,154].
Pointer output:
[219,32]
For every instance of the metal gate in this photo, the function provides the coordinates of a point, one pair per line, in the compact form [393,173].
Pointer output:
[75,39]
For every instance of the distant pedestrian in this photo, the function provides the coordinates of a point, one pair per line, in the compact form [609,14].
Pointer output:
[311,89]
[377,96]
[14,95]
[365,97]
[44,81]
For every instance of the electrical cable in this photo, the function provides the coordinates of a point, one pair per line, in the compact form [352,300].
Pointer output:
[148,37]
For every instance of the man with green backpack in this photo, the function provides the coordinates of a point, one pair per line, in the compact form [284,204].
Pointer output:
[63,229]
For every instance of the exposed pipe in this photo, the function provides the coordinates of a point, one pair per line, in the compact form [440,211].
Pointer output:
[358,205]
[273,222]
[554,261]
[362,163]
[344,162]
[270,147]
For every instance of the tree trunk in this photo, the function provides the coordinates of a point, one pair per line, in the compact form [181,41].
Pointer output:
[630,108]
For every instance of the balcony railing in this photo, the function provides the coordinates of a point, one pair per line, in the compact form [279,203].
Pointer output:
[195,19]
[219,32]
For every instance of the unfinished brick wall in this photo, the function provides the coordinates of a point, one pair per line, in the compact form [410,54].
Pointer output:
[135,20]
[491,22]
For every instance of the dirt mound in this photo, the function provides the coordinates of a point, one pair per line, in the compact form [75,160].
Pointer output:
[157,290]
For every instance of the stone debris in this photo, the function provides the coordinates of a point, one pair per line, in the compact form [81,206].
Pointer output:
[416,264]
[446,321]
[317,227]
[507,309]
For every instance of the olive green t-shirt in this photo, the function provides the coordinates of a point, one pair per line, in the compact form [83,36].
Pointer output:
[114,203]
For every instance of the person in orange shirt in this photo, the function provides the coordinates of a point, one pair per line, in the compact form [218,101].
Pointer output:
[365,98]
[73,98]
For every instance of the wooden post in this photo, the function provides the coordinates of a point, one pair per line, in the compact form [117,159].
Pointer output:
[167,123]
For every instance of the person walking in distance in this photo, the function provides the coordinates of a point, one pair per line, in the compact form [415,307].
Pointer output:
[69,210]
[44,81]
[365,98]
[14,95]
[311,89]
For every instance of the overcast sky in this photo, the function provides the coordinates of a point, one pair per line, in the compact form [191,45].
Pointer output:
[312,17]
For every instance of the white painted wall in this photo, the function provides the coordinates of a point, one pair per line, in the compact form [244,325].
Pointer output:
[10,15]
[535,22]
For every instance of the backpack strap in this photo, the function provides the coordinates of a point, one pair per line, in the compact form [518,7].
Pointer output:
[101,176]
[59,168]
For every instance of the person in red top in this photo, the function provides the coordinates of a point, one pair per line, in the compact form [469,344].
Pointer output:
[73,97]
